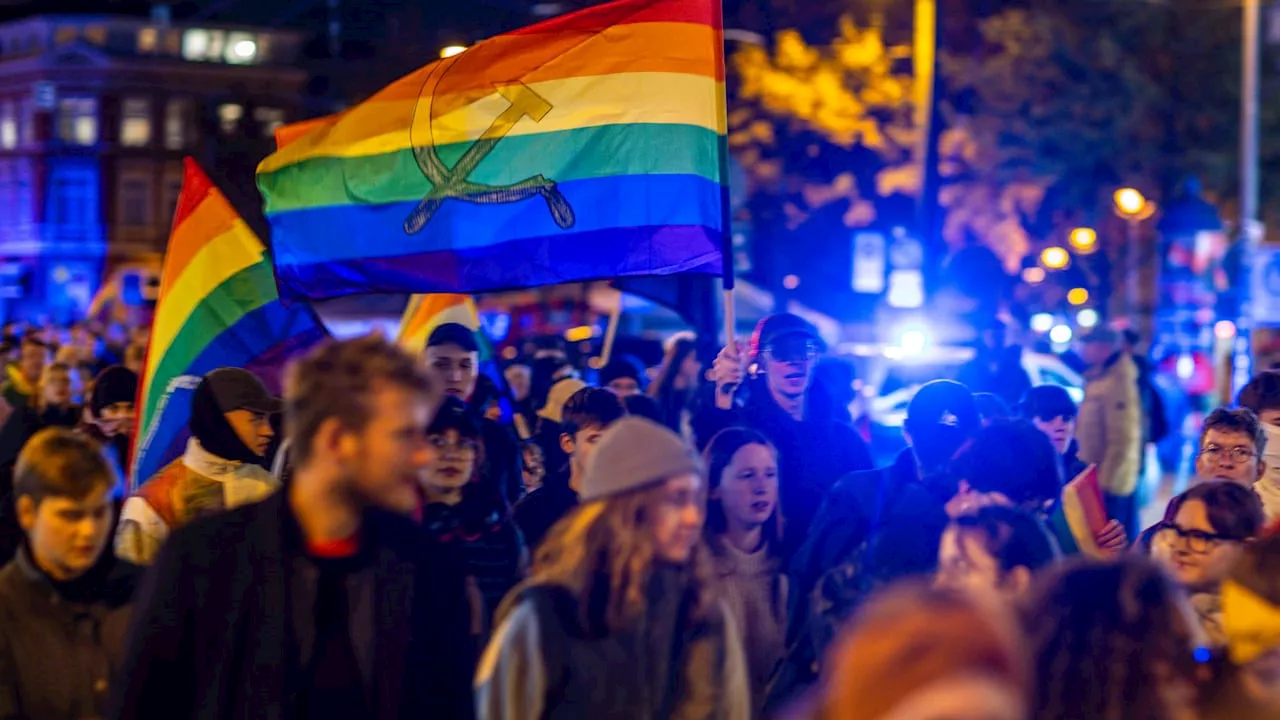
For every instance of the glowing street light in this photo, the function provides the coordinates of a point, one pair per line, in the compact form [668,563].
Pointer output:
[791,282]
[1078,296]
[1060,334]
[1087,318]
[1041,322]
[1055,258]
[1033,275]
[449,51]
[1129,202]
[1084,239]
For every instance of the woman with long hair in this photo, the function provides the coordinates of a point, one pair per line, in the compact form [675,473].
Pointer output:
[677,380]
[1203,536]
[460,511]
[744,533]
[1114,641]
[619,618]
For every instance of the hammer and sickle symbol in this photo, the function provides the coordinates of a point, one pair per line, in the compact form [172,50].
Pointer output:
[449,183]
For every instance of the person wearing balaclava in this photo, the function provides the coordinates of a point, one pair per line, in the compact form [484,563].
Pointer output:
[223,466]
[108,417]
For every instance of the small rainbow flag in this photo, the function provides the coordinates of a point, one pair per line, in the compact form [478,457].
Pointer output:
[218,307]
[425,313]
[587,146]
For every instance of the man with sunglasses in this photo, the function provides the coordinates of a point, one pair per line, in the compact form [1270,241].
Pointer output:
[1232,443]
[776,398]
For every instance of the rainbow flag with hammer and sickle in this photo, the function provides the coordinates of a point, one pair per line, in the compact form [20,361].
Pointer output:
[586,146]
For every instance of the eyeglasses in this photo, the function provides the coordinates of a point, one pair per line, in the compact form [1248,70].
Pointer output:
[792,349]
[441,443]
[1197,541]
[1237,454]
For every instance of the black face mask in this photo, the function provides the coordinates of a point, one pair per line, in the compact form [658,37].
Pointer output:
[210,427]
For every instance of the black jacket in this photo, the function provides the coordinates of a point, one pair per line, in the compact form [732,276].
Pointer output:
[212,636]
[503,467]
[61,643]
[541,509]
[812,454]
[876,527]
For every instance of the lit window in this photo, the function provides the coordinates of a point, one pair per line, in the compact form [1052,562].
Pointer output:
[96,34]
[78,120]
[148,39]
[269,119]
[173,43]
[178,123]
[195,45]
[8,125]
[242,48]
[229,116]
[204,45]
[135,122]
[135,201]
[65,35]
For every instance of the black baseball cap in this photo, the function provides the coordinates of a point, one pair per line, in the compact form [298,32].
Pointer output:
[775,327]
[454,334]
[941,417]
[238,389]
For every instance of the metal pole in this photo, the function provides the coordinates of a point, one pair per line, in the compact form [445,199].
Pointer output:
[1250,232]
[1132,286]
[929,120]
[1249,121]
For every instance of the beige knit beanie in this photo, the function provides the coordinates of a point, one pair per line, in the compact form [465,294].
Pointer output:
[634,453]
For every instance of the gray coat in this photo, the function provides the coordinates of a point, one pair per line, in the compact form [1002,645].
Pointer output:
[57,655]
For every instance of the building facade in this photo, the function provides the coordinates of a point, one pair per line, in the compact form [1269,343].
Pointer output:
[96,114]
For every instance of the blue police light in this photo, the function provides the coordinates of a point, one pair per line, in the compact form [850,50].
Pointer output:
[913,341]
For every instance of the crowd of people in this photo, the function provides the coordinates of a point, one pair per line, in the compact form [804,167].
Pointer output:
[405,536]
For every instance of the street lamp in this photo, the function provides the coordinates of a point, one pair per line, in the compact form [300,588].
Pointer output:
[1055,258]
[1132,207]
[1129,202]
[449,51]
[1083,239]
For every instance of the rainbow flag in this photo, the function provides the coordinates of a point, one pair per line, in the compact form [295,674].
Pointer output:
[425,313]
[218,307]
[586,146]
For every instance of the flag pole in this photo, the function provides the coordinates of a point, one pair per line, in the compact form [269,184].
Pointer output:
[726,213]
[611,332]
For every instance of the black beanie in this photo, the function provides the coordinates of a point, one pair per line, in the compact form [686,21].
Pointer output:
[116,384]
